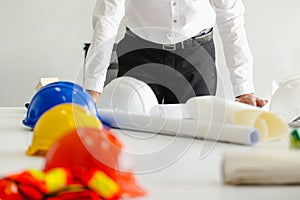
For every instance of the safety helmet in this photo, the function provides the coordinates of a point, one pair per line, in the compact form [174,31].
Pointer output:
[286,100]
[54,94]
[87,149]
[128,95]
[56,122]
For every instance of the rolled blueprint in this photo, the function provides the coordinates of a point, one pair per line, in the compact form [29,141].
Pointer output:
[261,167]
[182,127]
[178,111]
[219,110]
[216,109]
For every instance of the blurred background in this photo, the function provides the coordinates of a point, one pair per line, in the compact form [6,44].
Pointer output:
[46,39]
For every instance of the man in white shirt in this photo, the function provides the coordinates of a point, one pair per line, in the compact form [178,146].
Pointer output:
[176,35]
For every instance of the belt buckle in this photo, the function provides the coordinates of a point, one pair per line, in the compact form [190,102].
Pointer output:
[169,47]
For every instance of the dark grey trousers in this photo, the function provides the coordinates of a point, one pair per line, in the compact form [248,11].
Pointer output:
[174,75]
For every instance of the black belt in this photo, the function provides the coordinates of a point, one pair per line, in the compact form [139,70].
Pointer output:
[203,37]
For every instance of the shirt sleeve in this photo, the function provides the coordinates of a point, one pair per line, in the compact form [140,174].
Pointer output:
[107,16]
[239,60]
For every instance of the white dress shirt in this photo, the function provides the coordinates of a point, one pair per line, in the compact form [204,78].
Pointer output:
[169,22]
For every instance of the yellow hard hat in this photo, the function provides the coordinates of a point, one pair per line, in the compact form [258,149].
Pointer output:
[56,122]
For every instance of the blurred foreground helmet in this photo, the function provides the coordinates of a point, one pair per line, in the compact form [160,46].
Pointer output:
[54,94]
[56,122]
[88,149]
[286,100]
[127,94]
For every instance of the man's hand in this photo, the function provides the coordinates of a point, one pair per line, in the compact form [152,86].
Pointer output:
[251,99]
[94,95]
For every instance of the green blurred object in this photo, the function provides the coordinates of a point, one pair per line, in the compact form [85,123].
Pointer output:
[295,139]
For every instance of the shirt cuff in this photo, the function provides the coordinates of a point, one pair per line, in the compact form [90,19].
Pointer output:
[243,88]
[94,84]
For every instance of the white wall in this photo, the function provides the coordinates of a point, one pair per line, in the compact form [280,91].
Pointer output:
[40,39]
[45,38]
[273,30]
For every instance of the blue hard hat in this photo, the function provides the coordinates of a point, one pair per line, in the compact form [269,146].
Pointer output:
[54,94]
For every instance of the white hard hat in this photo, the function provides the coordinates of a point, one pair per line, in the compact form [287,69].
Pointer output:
[127,94]
[286,100]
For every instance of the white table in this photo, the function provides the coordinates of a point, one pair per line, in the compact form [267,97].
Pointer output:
[168,167]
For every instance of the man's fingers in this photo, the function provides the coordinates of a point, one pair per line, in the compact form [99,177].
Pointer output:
[261,102]
[247,99]
[252,100]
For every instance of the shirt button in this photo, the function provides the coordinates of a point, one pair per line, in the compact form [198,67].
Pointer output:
[174,4]
[175,21]
[171,35]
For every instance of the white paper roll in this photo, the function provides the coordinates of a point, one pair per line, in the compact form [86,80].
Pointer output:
[182,127]
[261,167]
[178,111]
[220,110]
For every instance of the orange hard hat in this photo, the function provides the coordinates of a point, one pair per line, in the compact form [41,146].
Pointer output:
[89,149]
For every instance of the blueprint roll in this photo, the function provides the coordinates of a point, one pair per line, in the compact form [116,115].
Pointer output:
[224,111]
[261,167]
[182,127]
[211,108]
